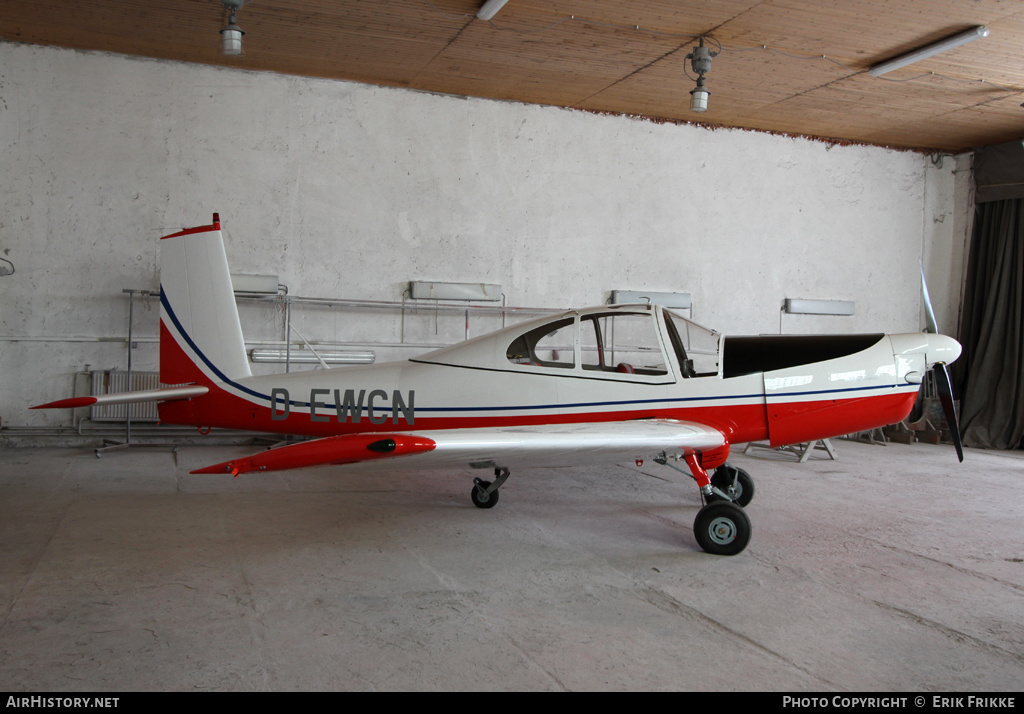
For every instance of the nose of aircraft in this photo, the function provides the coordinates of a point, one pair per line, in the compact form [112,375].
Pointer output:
[938,351]
[935,348]
[942,349]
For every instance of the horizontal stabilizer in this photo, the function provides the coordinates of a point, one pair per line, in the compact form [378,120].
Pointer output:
[166,394]
[345,449]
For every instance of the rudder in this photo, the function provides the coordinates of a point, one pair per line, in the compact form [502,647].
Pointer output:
[200,333]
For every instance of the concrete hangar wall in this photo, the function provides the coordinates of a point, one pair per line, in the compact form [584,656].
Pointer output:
[350,191]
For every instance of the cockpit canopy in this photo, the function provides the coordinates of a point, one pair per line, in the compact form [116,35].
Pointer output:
[637,342]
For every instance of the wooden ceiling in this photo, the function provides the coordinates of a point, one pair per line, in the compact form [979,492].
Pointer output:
[790,66]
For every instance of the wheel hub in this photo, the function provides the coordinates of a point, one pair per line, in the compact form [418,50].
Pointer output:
[722,531]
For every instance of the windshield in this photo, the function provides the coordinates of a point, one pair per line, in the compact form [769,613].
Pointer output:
[696,347]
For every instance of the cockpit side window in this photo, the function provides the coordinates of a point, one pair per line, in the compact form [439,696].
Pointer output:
[550,345]
[626,343]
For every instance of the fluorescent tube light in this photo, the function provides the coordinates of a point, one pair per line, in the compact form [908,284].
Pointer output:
[629,297]
[275,354]
[929,50]
[490,8]
[420,290]
[796,306]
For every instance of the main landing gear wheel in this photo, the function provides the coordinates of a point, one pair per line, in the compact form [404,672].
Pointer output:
[484,494]
[722,528]
[734,482]
[480,497]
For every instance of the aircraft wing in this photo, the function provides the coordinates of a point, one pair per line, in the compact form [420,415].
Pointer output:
[534,445]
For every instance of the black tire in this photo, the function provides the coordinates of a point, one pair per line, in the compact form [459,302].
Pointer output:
[742,492]
[479,499]
[722,528]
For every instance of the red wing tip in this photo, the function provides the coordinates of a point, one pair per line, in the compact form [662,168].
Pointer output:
[224,468]
[342,449]
[72,403]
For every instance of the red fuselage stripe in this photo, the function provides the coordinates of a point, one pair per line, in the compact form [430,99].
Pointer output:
[787,423]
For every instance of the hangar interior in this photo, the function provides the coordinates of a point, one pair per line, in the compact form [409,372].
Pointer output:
[549,157]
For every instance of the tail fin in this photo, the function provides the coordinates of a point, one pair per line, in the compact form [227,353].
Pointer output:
[200,334]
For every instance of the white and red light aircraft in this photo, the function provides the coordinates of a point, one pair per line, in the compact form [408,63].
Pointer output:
[584,386]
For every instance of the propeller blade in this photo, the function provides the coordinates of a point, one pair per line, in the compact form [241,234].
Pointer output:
[945,389]
[929,315]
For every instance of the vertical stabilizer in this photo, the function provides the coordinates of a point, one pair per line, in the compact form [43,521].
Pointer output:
[200,334]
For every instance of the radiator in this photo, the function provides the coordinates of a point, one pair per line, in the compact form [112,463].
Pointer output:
[114,381]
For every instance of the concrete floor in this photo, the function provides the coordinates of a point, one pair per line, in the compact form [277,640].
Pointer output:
[893,568]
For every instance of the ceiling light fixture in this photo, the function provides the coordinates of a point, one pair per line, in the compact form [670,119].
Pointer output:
[929,50]
[231,36]
[700,61]
[490,8]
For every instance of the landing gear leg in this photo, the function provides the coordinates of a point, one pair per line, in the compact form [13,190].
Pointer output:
[728,484]
[485,493]
[701,477]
